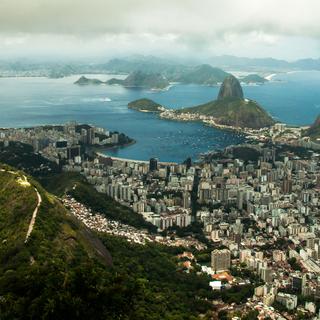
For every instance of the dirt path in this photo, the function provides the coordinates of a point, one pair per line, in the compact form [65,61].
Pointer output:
[23,181]
[34,216]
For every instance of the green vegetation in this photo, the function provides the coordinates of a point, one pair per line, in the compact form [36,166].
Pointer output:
[231,109]
[82,81]
[253,78]
[66,272]
[21,156]
[245,153]
[251,315]
[234,112]
[314,131]
[144,105]
[102,203]
[236,294]
[50,176]
[171,293]
[294,264]
[82,191]
[143,80]
[203,74]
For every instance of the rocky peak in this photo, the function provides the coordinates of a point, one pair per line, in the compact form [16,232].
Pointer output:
[230,88]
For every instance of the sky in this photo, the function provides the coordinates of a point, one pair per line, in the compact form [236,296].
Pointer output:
[198,29]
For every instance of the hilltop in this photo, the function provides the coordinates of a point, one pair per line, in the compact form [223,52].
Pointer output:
[253,79]
[231,109]
[145,105]
[140,79]
[82,81]
[234,112]
[203,74]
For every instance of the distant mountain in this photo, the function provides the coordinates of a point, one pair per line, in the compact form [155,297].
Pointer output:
[203,74]
[142,79]
[253,78]
[82,81]
[148,64]
[145,105]
[268,64]
[231,109]
[174,72]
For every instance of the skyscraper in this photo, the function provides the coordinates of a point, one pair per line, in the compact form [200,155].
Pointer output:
[220,259]
[153,164]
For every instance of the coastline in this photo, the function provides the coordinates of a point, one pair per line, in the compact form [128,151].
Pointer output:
[102,155]
[101,148]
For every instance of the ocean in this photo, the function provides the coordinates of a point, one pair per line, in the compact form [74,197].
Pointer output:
[293,98]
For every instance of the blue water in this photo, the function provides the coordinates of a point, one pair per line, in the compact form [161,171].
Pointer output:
[293,98]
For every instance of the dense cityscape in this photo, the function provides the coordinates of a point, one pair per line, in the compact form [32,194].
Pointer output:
[258,211]
[159,160]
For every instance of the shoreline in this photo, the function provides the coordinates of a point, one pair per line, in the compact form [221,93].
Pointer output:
[132,160]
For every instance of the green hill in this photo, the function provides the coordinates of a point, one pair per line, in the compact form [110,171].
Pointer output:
[83,81]
[231,109]
[145,105]
[65,271]
[140,79]
[203,74]
[253,78]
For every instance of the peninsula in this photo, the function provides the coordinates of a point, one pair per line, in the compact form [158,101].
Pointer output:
[230,111]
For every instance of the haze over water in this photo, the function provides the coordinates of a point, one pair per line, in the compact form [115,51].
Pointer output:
[294,99]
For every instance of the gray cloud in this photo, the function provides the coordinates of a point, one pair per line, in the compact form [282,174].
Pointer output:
[157,25]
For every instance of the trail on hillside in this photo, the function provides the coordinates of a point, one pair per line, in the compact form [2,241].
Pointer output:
[34,216]
[23,181]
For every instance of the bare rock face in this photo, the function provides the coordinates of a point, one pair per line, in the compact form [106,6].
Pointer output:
[230,88]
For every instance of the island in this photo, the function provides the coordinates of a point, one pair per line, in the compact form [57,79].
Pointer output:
[230,111]
[83,81]
[145,105]
[253,79]
[140,79]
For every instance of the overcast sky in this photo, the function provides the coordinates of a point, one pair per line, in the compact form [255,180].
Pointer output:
[288,29]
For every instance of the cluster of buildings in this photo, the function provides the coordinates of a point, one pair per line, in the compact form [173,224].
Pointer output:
[210,121]
[100,223]
[161,192]
[60,143]
[265,214]
[261,215]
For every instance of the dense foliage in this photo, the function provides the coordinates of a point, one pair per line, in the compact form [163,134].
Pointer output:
[63,272]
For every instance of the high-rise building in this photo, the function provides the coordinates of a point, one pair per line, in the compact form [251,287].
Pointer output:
[90,136]
[153,164]
[266,274]
[188,163]
[73,151]
[286,185]
[220,260]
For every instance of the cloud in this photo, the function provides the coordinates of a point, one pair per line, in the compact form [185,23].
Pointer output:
[180,24]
